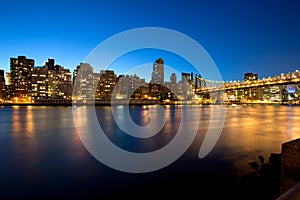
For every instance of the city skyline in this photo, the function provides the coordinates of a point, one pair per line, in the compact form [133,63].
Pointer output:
[52,83]
[262,37]
[166,77]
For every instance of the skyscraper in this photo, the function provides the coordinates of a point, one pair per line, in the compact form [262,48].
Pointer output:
[158,72]
[106,85]
[21,71]
[39,83]
[173,82]
[84,78]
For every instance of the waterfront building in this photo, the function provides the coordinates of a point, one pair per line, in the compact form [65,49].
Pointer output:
[84,81]
[51,82]
[39,83]
[59,83]
[131,86]
[106,85]
[158,72]
[21,71]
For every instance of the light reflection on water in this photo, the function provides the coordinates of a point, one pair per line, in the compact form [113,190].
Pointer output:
[40,148]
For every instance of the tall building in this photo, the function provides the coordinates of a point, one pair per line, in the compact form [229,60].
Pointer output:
[158,72]
[51,82]
[173,83]
[21,71]
[84,81]
[39,83]
[106,85]
[173,78]
[59,83]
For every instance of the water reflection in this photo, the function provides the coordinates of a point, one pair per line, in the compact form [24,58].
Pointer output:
[256,130]
[37,143]
[40,147]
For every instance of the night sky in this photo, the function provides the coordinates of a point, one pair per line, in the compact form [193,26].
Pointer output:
[240,36]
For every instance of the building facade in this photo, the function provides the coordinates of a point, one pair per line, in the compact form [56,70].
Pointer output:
[158,72]
[106,85]
[51,82]
[21,72]
[84,81]
[131,87]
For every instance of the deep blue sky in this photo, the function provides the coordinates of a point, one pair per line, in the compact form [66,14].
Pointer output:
[240,36]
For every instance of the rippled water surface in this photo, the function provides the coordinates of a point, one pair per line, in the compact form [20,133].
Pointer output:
[42,156]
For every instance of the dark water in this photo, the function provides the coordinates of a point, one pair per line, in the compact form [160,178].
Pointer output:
[41,155]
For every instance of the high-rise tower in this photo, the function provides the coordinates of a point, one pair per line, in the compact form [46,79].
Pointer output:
[21,71]
[158,72]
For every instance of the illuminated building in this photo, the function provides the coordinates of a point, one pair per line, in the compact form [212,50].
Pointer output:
[59,83]
[51,82]
[84,81]
[21,71]
[106,85]
[157,78]
[39,83]
[158,72]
